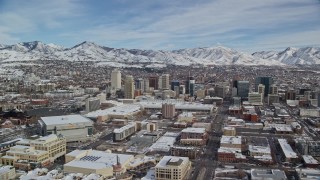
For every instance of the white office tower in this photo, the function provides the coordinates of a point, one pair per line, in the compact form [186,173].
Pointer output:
[146,85]
[129,87]
[164,81]
[115,80]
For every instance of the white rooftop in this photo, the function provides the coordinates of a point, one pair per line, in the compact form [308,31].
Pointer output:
[67,119]
[309,159]
[260,149]
[165,142]
[286,148]
[123,128]
[4,169]
[179,105]
[194,130]
[117,110]
[98,159]
[231,140]
[163,162]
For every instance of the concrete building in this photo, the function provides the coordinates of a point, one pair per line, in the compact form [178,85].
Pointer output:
[275,174]
[287,151]
[308,147]
[261,90]
[229,131]
[312,112]
[255,98]
[146,85]
[129,87]
[165,84]
[273,98]
[7,172]
[168,110]
[54,144]
[232,142]
[194,136]
[72,127]
[154,82]
[220,91]
[92,104]
[273,89]
[115,80]
[243,89]
[122,133]
[172,168]
[25,157]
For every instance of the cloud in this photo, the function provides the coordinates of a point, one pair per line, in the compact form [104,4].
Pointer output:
[164,24]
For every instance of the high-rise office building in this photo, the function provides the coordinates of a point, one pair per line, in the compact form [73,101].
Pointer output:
[261,89]
[266,81]
[174,83]
[129,87]
[139,84]
[273,89]
[168,110]
[243,89]
[146,85]
[219,91]
[165,81]
[190,86]
[291,94]
[115,80]
[154,82]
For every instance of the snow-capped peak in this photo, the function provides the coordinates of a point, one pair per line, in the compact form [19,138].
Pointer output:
[89,51]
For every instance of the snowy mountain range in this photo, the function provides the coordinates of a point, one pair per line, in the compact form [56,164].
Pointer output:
[88,51]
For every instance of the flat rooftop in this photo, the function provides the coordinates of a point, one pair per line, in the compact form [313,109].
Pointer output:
[231,140]
[287,149]
[171,161]
[123,109]
[67,119]
[194,130]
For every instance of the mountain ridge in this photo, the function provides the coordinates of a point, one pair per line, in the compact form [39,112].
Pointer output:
[90,51]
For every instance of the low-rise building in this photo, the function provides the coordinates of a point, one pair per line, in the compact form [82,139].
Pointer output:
[310,162]
[7,172]
[231,142]
[98,162]
[287,151]
[124,132]
[28,154]
[72,127]
[172,168]
[194,136]
[275,174]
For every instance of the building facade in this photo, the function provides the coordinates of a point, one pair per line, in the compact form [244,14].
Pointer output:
[172,168]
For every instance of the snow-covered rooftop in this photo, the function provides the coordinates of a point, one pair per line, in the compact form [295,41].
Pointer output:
[286,148]
[164,161]
[194,130]
[67,119]
[123,109]
[231,140]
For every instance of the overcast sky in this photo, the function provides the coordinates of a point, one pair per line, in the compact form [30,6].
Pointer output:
[247,25]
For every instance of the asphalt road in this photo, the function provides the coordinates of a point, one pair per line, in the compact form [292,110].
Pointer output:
[205,165]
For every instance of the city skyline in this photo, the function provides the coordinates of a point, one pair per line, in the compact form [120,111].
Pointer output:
[251,26]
